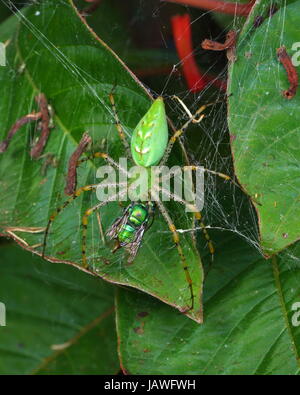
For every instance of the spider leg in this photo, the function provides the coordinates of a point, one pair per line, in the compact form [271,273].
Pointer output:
[85,218]
[74,163]
[119,126]
[176,240]
[194,119]
[106,157]
[197,215]
[195,168]
[100,228]
[75,195]
[201,109]
[151,216]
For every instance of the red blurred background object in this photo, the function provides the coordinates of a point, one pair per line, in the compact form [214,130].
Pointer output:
[195,78]
[218,5]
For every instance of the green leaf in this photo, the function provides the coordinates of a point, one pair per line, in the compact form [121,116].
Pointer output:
[264,127]
[5,12]
[248,321]
[58,319]
[54,52]
[8,26]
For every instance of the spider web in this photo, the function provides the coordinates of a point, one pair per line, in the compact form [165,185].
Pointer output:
[226,209]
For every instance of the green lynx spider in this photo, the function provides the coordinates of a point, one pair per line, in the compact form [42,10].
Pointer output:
[149,146]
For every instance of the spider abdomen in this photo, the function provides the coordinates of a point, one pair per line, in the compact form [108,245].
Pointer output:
[150,137]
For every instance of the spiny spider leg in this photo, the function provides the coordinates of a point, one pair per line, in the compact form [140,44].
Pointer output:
[179,249]
[180,131]
[197,215]
[85,217]
[100,228]
[119,126]
[194,168]
[201,109]
[221,175]
[75,195]
[105,156]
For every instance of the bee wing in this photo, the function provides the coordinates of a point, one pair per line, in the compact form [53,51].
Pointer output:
[133,247]
[119,222]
